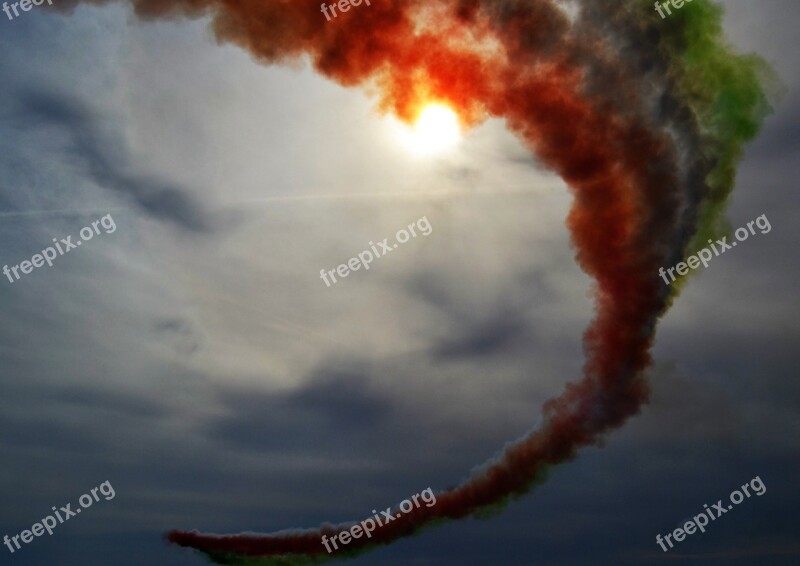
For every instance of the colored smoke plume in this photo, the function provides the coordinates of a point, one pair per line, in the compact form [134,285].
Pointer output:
[644,119]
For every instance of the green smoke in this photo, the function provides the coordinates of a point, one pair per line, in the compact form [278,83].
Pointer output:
[727,93]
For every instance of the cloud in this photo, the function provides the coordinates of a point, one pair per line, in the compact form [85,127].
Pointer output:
[104,158]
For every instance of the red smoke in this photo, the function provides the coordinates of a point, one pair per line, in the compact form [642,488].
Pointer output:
[521,61]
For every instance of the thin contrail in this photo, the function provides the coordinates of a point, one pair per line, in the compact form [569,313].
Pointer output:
[63,212]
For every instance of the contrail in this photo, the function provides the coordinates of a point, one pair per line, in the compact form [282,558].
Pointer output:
[88,212]
[643,118]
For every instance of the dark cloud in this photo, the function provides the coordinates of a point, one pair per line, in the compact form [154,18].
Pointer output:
[103,157]
[504,330]
[180,334]
[115,403]
[327,411]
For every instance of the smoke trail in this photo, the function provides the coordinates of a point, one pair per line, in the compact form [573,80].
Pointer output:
[644,119]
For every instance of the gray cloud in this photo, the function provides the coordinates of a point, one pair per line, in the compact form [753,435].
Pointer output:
[103,157]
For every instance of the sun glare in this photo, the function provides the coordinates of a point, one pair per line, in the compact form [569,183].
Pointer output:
[436,130]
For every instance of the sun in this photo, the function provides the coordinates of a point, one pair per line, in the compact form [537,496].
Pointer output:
[436,130]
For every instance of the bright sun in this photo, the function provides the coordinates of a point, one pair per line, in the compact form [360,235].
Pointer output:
[436,130]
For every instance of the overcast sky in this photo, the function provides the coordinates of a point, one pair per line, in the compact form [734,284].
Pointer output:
[194,358]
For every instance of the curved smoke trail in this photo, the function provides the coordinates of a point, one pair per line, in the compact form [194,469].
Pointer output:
[644,119]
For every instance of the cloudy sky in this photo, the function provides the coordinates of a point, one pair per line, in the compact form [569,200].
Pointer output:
[194,359]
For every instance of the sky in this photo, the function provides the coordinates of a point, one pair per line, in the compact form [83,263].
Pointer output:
[193,358]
